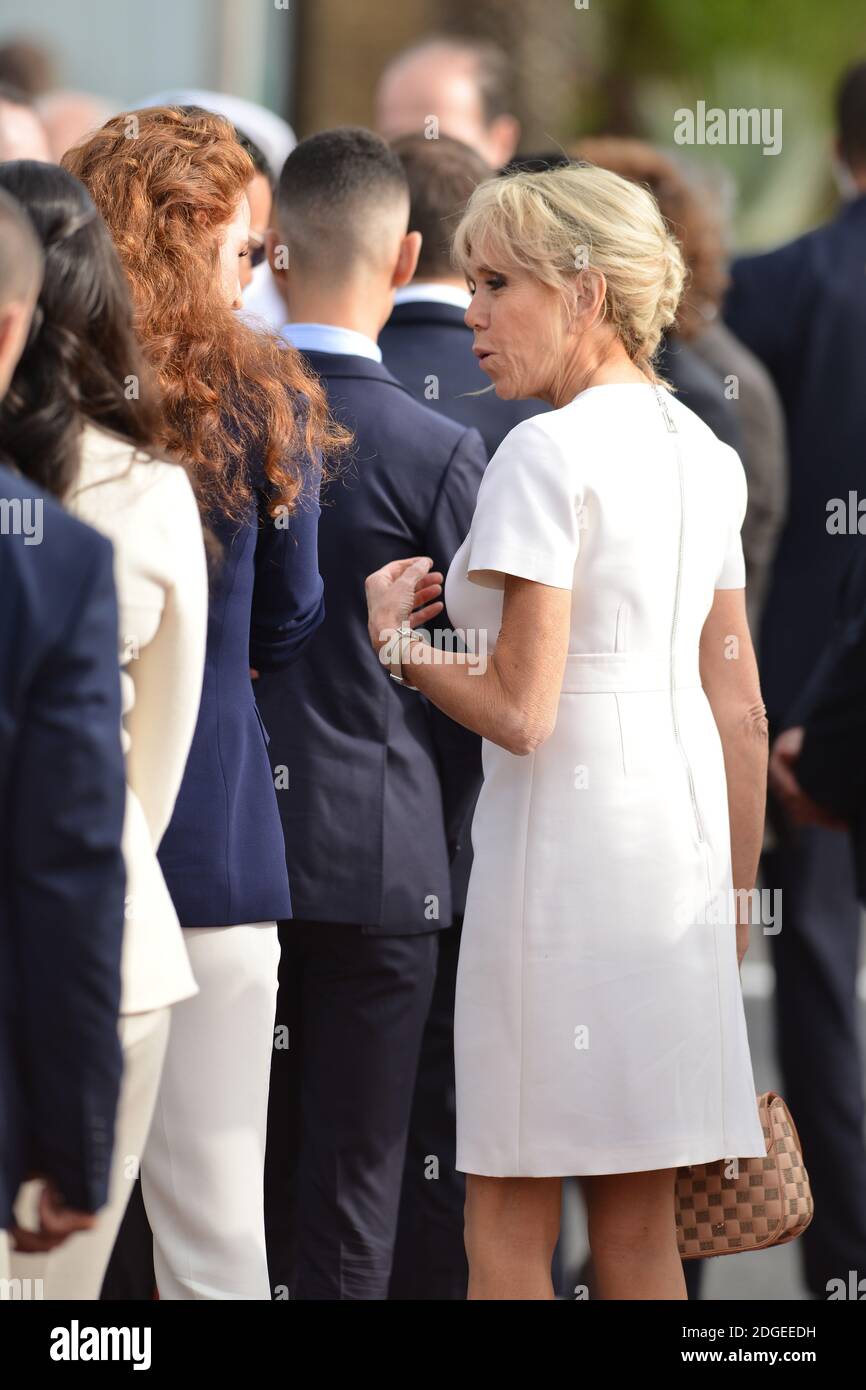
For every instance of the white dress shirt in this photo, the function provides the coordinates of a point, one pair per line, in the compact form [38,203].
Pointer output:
[330,337]
[431,292]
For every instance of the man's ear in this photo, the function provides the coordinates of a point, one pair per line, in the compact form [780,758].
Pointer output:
[278,255]
[407,260]
[503,137]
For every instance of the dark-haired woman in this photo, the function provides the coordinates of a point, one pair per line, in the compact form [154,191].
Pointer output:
[80,419]
[252,426]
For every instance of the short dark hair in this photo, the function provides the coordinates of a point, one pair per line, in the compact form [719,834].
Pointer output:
[329,186]
[851,114]
[441,174]
[256,154]
[21,258]
[15,96]
[27,65]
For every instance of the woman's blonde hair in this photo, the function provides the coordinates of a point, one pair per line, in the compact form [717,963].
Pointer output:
[556,224]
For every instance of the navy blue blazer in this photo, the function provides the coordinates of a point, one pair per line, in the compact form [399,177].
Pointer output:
[832,711]
[62,878]
[425,338]
[223,855]
[379,780]
[802,310]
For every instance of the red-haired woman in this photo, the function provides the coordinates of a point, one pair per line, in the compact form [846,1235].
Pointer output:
[253,429]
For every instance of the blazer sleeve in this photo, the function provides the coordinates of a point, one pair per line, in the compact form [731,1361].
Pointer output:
[68,789]
[832,763]
[288,597]
[168,672]
[458,750]
[766,301]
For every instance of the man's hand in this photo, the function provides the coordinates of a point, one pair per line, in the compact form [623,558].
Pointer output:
[56,1222]
[783,783]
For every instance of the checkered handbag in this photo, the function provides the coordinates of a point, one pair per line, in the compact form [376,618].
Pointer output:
[768,1203]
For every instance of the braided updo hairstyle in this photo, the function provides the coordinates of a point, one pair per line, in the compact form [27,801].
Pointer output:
[82,360]
[557,224]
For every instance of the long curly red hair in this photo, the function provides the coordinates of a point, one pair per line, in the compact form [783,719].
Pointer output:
[168,181]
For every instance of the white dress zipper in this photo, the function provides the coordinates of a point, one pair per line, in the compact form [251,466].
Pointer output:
[672,429]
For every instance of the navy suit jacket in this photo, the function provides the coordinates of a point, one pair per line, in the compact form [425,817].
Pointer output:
[424,338]
[802,310]
[223,855]
[62,879]
[380,781]
[832,709]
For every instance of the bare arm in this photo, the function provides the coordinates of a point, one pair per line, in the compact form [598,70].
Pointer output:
[729,675]
[513,700]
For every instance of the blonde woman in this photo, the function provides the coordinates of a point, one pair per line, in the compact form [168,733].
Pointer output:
[599,1028]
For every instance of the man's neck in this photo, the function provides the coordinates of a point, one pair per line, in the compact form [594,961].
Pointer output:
[338,311]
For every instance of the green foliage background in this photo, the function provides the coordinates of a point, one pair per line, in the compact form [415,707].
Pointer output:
[654,56]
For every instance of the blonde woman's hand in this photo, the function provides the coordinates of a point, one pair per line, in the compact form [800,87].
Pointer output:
[401,591]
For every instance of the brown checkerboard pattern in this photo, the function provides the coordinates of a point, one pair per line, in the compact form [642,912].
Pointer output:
[769,1202]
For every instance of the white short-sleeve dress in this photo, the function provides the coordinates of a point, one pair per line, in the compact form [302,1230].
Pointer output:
[599,1022]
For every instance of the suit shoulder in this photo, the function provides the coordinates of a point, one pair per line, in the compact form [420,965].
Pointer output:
[764,270]
[427,432]
[52,566]
[30,515]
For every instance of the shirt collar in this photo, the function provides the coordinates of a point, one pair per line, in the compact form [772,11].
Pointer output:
[428,292]
[330,337]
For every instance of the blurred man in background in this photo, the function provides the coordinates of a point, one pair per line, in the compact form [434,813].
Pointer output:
[451,86]
[29,66]
[22,134]
[64,116]
[802,309]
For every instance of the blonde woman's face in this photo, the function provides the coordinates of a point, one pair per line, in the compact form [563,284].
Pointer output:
[518,324]
[234,248]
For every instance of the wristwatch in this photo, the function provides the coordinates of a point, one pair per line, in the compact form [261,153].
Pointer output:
[406,635]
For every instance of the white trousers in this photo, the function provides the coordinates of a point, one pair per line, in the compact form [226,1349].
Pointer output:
[202,1176]
[76,1269]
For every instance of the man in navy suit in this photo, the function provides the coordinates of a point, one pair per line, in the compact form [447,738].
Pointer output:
[802,310]
[373,783]
[62,797]
[450,84]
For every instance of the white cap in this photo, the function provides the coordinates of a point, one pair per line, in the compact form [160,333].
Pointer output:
[274,136]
